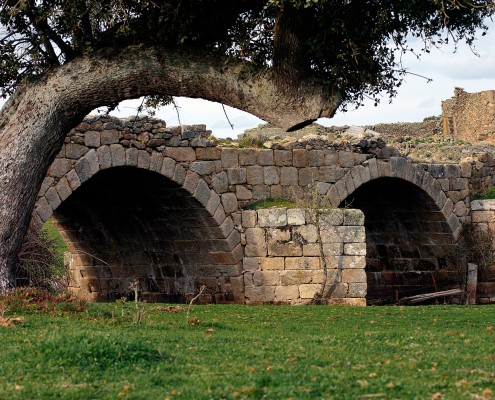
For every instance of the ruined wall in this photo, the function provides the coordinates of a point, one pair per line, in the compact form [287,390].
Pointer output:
[470,116]
[301,256]
[181,169]
[483,218]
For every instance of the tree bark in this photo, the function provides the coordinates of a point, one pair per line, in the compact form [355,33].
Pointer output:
[34,122]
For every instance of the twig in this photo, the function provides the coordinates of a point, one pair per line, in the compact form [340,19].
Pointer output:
[201,290]
[226,116]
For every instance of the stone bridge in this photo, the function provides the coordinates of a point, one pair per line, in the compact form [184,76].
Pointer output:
[137,199]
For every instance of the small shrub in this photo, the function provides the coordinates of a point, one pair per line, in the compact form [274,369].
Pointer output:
[486,195]
[252,141]
[270,203]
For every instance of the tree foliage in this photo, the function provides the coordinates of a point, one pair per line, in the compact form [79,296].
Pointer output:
[352,46]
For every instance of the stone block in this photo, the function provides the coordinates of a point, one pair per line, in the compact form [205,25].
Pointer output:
[73,179]
[272,217]
[459,184]
[117,153]
[208,153]
[282,158]
[353,217]
[259,294]
[302,263]
[308,233]
[346,159]
[53,198]
[286,293]
[43,209]
[296,216]
[300,158]
[236,175]
[354,276]
[316,158]
[277,191]
[87,166]
[331,217]
[63,188]
[255,175]
[250,263]
[295,277]
[278,235]
[266,278]
[248,156]
[353,262]
[179,174]
[466,169]
[203,192]
[75,151]
[191,181]
[230,158]
[355,249]
[289,176]
[284,249]
[308,176]
[271,175]
[180,153]
[243,193]
[249,218]
[131,157]
[333,249]
[110,136]
[360,302]
[143,159]
[338,290]
[357,289]
[255,250]
[229,201]
[156,162]
[351,234]
[311,250]
[255,236]
[265,157]
[203,167]
[168,167]
[309,291]
[460,208]
[331,157]
[272,263]
[220,182]
[59,167]
[92,139]
[45,185]
[213,202]
[483,216]
[330,173]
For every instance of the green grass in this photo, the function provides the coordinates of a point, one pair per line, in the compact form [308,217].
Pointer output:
[486,195]
[242,352]
[58,245]
[269,203]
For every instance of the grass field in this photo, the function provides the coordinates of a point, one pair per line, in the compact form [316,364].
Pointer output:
[246,352]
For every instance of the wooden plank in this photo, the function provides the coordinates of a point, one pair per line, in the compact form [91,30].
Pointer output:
[428,296]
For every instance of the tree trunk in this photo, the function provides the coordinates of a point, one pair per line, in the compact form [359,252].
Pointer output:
[34,122]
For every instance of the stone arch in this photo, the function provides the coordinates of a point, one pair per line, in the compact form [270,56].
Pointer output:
[206,247]
[410,244]
[396,167]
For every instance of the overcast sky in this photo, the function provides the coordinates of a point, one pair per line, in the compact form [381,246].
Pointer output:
[416,99]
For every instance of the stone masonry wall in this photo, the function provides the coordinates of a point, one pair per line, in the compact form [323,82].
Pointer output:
[483,217]
[473,115]
[301,256]
[222,180]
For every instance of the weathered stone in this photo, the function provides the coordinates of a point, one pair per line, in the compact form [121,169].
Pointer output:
[255,236]
[73,179]
[308,176]
[300,158]
[208,153]
[357,289]
[109,136]
[255,175]
[346,159]
[117,153]
[353,276]
[248,156]
[311,250]
[143,159]
[308,233]
[265,157]
[330,174]
[230,158]
[354,262]
[295,277]
[271,175]
[272,263]
[236,175]
[284,249]
[259,294]
[282,158]
[289,176]
[203,167]
[316,158]
[355,249]
[309,291]
[63,188]
[229,201]
[255,250]
[249,218]
[353,217]
[53,198]
[220,182]
[296,216]
[266,278]
[286,293]
[250,263]
[272,217]
[59,167]
[75,151]
[180,153]
[302,263]
[242,193]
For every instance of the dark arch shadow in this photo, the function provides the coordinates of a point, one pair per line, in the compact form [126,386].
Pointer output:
[410,247]
[127,223]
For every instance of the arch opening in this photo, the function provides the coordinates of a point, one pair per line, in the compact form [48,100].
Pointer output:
[126,223]
[410,246]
